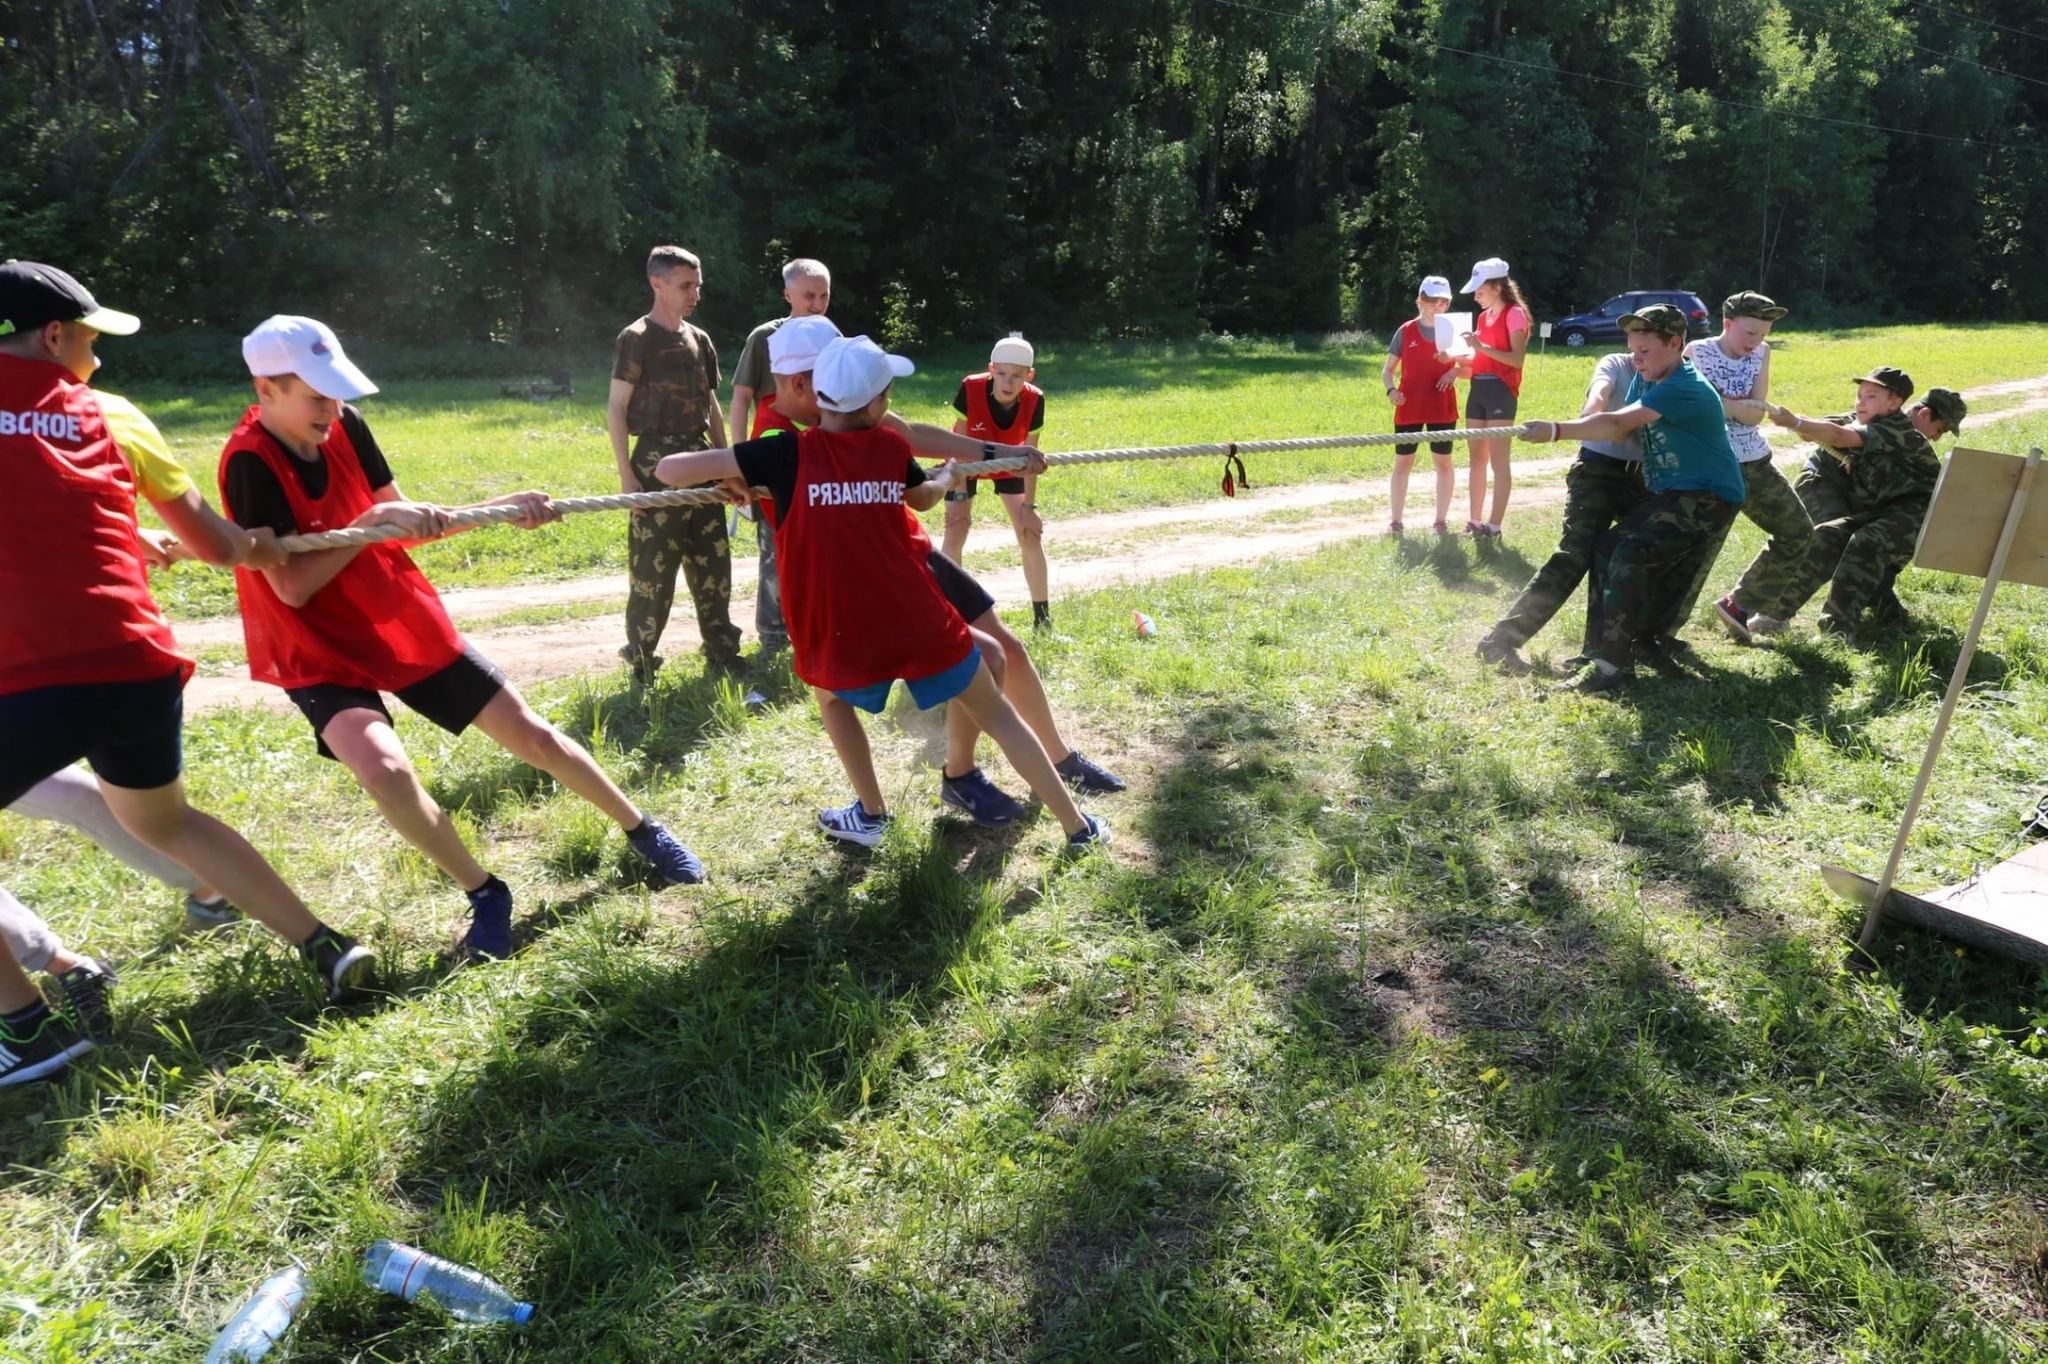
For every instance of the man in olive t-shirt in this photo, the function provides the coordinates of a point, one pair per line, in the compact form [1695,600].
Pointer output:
[664,399]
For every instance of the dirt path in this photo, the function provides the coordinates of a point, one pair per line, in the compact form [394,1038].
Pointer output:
[1177,539]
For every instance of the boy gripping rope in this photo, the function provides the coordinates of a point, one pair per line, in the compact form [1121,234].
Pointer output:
[336,628]
[1001,406]
[863,608]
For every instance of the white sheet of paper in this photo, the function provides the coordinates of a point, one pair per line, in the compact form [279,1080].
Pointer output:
[1450,333]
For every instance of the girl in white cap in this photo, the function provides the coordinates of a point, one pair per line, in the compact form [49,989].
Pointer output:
[1500,342]
[1421,382]
[1001,406]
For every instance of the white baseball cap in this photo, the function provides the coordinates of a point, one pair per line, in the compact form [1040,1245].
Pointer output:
[851,371]
[1012,350]
[1434,286]
[1493,267]
[307,348]
[793,347]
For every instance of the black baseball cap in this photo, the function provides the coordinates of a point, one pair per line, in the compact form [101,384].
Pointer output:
[33,295]
[1890,377]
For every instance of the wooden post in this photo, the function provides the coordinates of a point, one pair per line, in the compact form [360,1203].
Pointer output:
[1948,703]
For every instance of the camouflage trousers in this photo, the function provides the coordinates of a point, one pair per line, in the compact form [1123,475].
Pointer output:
[1856,548]
[1658,543]
[1771,503]
[1597,493]
[662,541]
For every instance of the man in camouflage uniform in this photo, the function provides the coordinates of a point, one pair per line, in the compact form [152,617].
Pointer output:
[1866,487]
[664,399]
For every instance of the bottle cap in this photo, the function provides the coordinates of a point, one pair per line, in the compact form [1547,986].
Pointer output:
[521,1312]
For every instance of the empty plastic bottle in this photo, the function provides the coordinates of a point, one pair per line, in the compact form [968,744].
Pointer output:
[1143,624]
[465,1294]
[251,1332]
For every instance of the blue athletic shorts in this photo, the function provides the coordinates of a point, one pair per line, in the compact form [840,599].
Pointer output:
[926,691]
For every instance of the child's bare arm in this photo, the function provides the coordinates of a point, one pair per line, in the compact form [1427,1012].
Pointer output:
[698,466]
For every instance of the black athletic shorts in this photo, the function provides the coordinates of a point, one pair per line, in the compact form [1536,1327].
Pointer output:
[452,698]
[1490,400]
[966,492]
[130,732]
[969,597]
[1436,447]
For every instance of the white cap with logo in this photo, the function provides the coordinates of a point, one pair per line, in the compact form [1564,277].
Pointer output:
[1013,350]
[853,371]
[300,345]
[793,347]
[1434,286]
[1493,267]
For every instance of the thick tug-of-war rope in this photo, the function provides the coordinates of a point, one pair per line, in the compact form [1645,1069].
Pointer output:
[687,497]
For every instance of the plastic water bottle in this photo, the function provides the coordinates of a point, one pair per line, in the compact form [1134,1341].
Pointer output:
[251,1332]
[465,1294]
[1143,624]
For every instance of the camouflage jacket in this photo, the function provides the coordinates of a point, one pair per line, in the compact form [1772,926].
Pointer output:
[675,381]
[1894,464]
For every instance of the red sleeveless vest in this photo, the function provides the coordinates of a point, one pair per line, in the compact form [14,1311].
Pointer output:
[75,606]
[379,624]
[767,421]
[862,607]
[981,423]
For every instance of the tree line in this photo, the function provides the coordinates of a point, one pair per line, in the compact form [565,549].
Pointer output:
[475,170]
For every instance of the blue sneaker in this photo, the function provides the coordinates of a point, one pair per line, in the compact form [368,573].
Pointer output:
[1092,835]
[1090,779]
[985,803]
[658,848]
[853,824]
[490,921]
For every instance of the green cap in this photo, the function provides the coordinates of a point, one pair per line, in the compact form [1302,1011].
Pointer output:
[1948,408]
[1893,378]
[1750,303]
[1660,318]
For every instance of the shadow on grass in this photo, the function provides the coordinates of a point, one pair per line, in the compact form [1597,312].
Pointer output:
[670,1115]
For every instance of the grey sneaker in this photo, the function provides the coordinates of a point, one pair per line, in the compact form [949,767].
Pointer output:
[1760,624]
[86,987]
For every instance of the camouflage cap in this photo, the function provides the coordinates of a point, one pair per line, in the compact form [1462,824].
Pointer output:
[1660,318]
[1948,408]
[1750,303]
[1891,377]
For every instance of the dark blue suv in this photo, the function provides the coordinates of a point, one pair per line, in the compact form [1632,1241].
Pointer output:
[1602,325]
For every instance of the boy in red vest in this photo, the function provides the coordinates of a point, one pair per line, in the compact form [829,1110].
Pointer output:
[962,784]
[863,607]
[90,669]
[1001,406]
[336,628]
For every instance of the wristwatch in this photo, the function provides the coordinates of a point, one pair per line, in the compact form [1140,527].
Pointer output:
[988,449]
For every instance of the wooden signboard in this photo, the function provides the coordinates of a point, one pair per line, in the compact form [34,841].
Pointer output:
[1960,533]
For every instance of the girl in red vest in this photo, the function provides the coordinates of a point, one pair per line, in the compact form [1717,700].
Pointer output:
[1001,406]
[1500,343]
[337,628]
[1421,383]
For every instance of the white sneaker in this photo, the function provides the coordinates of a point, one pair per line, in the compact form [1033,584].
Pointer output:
[1767,625]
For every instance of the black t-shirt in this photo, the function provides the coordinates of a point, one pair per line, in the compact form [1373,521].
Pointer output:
[1003,416]
[770,463]
[256,498]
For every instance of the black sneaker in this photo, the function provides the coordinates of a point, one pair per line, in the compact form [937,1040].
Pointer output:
[204,916]
[1600,679]
[345,964]
[1087,777]
[983,801]
[39,1047]
[86,987]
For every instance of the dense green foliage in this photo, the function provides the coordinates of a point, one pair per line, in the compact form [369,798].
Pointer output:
[456,170]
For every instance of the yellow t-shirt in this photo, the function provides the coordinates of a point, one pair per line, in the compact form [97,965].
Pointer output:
[158,473]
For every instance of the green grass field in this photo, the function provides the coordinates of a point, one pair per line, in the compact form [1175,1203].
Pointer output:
[1419,1014]
[457,441]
